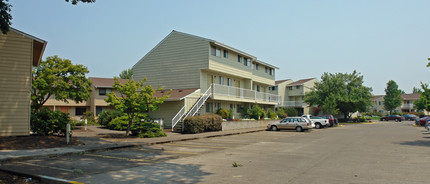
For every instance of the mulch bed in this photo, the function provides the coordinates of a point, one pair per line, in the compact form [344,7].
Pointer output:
[35,142]
[6,178]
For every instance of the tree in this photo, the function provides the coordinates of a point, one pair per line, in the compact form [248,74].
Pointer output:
[60,79]
[416,90]
[6,17]
[126,74]
[428,64]
[424,102]
[340,92]
[134,99]
[393,96]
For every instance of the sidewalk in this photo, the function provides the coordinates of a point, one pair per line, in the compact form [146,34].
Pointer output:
[94,141]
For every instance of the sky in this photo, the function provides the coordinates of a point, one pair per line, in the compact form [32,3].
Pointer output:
[382,39]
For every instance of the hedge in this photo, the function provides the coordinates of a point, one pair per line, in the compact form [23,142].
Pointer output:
[204,123]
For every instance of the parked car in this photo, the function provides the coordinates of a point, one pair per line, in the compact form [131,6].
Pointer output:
[332,121]
[422,121]
[394,117]
[295,123]
[411,117]
[319,122]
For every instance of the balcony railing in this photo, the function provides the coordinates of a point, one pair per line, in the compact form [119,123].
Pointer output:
[293,104]
[407,106]
[242,93]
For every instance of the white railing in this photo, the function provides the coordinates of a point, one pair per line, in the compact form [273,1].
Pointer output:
[199,103]
[178,117]
[293,104]
[407,106]
[244,93]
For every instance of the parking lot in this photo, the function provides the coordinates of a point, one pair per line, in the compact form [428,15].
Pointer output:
[385,152]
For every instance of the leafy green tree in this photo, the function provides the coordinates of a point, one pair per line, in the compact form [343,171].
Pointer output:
[340,92]
[134,99]
[393,96]
[428,64]
[126,74]
[60,79]
[291,111]
[6,17]
[416,90]
[424,102]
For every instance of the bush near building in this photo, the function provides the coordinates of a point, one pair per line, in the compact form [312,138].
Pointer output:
[204,123]
[48,122]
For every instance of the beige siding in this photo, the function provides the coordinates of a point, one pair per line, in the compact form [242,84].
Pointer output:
[15,83]
[167,111]
[174,63]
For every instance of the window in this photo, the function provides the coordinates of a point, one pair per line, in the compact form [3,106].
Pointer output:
[218,106]
[239,59]
[258,88]
[267,69]
[380,102]
[209,107]
[290,87]
[274,88]
[272,72]
[80,111]
[239,108]
[215,51]
[100,110]
[225,54]
[104,91]
[231,106]
[228,82]
[257,66]
[253,66]
[297,87]
[247,62]
[221,80]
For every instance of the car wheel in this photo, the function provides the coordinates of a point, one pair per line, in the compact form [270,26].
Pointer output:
[397,120]
[382,119]
[274,128]
[317,126]
[299,129]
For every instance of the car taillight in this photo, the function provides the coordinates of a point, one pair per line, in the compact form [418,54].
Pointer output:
[307,124]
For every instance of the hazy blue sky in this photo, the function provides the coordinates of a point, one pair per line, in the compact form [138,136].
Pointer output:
[383,39]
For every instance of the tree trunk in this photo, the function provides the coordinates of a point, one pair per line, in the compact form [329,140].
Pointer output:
[130,122]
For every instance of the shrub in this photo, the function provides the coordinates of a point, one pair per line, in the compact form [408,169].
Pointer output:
[107,116]
[291,111]
[212,122]
[90,118]
[147,130]
[49,122]
[270,114]
[257,112]
[193,125]
[281,113]
[223,113]
[119,123]
[230,113]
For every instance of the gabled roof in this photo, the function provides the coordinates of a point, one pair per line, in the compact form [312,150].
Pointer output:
[411,96]
[176,94]
[105,82]
[214,42]
[39,45]
[377,96]
[300,82]
[281,81]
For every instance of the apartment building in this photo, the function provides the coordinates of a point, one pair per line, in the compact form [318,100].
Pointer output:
[96,104]
[292,93]
[215,75]
[406,107]
[19,52]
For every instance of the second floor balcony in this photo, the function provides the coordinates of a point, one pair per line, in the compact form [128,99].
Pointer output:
[293,104]
[407,106]
[222,92]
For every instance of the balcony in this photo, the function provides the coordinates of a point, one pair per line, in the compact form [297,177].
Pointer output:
[222,92]
[407,106]
[293,104]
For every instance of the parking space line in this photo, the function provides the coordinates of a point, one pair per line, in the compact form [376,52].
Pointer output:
[57,168]
[167,151]
[122,158]
[197,146]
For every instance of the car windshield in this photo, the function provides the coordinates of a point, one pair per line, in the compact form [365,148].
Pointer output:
[424,117]
[316,117]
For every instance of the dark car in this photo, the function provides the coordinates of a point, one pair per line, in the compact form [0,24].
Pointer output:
[332,121]
[394,117]
[411,117]
[422,121]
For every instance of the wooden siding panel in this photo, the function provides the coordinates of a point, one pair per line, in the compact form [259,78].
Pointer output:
[167,111]
[175,63]
[15,83]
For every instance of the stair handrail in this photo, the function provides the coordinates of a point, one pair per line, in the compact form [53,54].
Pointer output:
[199,102]
[178,117]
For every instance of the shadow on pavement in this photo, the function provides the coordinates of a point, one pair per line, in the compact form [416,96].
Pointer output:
[425,143]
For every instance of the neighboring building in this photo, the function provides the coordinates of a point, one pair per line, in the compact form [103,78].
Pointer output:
[223,77]
[19,52]
[406,107]
[293,93]
[96,104]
